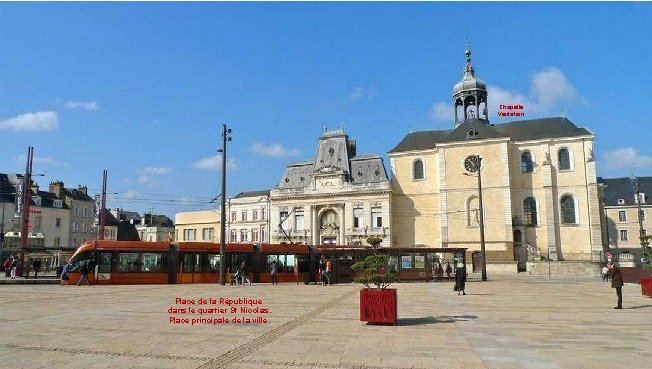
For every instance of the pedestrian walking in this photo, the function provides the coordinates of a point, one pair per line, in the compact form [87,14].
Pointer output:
[7,266]
[14,268]
[617,283]
[329,270]
[460,279]
[243,274]
[449,270]
[36,265]
[83,271]
[273,272]
[322,271]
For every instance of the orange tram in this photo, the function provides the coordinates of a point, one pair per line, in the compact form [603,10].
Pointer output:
[140,262]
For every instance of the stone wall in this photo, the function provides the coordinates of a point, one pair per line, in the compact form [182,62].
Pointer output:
[565,268]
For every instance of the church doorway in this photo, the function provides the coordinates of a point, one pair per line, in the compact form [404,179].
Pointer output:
[520,252]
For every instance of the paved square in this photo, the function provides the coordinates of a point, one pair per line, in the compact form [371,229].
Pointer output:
[508,322]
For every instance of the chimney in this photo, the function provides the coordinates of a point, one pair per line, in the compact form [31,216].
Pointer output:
[81,188]
[56,188]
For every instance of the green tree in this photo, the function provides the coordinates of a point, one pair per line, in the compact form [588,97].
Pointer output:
[373,270]
[374,241]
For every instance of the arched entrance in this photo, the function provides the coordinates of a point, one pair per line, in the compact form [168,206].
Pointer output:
[520,252]
[329,226]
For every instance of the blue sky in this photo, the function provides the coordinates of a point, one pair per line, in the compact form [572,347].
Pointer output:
[142,89]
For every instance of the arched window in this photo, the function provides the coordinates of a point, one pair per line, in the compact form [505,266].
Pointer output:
[564,159]
[329,218]
[530,211]
[472,212]
[417,169]
[527,166]
[567,210]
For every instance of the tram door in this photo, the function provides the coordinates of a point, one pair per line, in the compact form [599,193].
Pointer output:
[189,267]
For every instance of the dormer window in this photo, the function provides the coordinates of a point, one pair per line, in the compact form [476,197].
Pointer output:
[621,201]
[37,200]
[57,203]
[641,197]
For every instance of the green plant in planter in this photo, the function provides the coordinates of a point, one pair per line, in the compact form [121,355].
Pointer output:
[373,271]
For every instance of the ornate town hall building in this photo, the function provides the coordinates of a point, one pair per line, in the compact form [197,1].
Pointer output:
[539,187]
[339,198]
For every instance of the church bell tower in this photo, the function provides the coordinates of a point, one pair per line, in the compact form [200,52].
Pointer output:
[470,95]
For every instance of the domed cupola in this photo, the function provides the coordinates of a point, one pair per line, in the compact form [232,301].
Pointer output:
[470,95]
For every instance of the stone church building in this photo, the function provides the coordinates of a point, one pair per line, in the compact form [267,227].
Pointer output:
[538,185]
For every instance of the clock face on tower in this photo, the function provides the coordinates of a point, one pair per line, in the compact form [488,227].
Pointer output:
[472,163]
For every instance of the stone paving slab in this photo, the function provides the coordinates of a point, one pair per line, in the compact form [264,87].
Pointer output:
[508,322]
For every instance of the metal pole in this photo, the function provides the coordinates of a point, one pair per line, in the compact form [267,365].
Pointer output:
[103,208]
[638,202]
[27,199]
[482,246]
[225,138]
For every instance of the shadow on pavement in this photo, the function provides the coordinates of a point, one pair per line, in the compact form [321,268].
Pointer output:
[638,307]
[434,320]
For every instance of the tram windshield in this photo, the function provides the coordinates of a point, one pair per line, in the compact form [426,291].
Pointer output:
[77,261]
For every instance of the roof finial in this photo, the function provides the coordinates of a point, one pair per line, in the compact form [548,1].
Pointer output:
[325,129]
[467,45]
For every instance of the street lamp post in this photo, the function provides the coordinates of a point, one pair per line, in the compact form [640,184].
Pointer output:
[637,193]
[474,164]
[226,136]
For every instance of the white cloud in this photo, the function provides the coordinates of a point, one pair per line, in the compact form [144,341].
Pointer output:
[146,179]
[626,158]
[441,111]
[43,161]
[361,93]
[38,121]
[274,149]
[550,86]
[156,170]
[549,89]
[213,163]
[86,105]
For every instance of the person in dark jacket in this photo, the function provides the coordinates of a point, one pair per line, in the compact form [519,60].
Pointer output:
[460,279]
[36,265]
[617,283]
[83,271]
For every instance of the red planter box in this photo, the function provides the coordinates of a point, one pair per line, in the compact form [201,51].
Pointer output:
[646,286]
[378,306]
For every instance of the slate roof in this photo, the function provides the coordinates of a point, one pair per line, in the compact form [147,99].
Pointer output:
[110,219]
[252,194]
[623,188]
[336,154]
[522,130]
[367,169]
[157,221]
[76,194]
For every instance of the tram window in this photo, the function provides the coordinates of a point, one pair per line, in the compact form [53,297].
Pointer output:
[128,262]
[105,262]
[290,262]
[393,263]
[406,261]
[213,262]
[82,258]
[272,259]
[419,261]
[187,263]
[151,262]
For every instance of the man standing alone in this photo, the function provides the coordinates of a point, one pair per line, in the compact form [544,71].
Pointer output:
[617,283]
